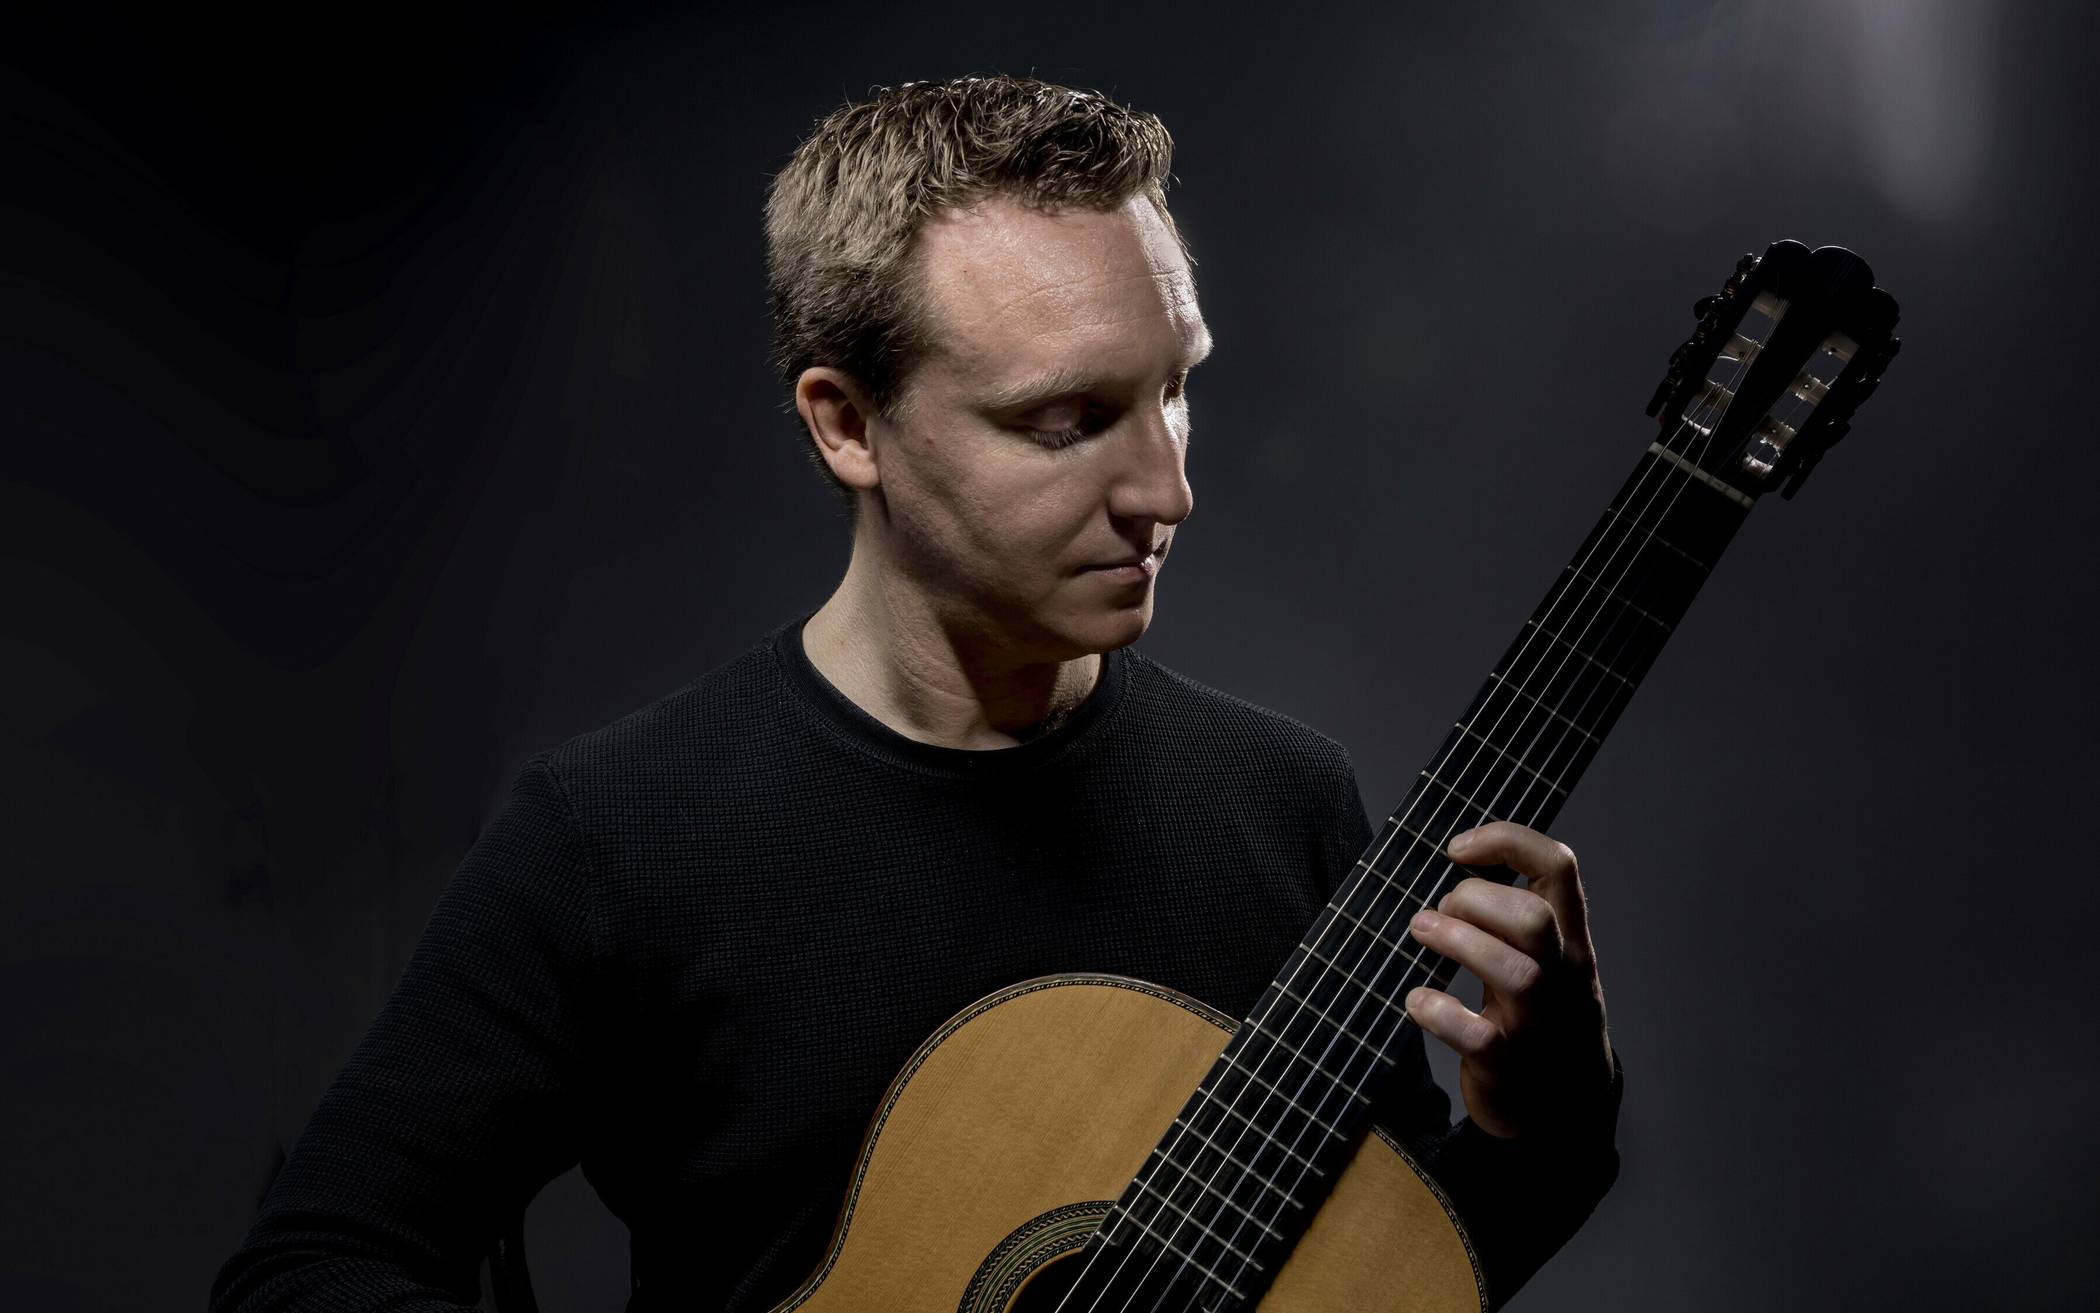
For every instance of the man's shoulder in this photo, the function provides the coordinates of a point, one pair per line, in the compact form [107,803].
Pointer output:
[1201,713]
[727,710]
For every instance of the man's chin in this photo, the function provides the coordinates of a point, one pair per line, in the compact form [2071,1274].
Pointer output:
[1104,628]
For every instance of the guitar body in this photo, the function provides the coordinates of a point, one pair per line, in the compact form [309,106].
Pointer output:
[999,1148]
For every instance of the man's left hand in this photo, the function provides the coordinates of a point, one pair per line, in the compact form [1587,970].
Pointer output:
[1536,1058]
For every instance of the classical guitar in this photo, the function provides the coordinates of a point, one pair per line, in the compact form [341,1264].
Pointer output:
[1098,1144]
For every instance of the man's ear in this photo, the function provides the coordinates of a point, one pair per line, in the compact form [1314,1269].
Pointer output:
[835,409]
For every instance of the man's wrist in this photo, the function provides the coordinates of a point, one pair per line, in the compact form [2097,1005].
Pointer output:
[1585,1131]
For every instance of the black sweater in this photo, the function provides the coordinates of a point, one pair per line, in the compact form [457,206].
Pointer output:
[695,945]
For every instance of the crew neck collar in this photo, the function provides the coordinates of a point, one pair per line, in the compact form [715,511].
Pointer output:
[845,718]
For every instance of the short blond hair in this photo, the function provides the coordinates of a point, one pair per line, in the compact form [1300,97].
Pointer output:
[843,217]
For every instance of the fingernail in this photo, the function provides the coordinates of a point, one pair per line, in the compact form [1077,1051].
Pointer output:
[1425,920]
[1414,997]
[1457,842]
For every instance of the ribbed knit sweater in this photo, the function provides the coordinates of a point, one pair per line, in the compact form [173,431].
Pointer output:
[694,947]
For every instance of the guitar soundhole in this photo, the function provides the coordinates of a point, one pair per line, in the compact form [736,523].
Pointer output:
[1050,1284]
[1031,1270]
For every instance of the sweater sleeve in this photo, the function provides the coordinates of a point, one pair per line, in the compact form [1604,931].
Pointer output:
[1520,1200]
[462,1100]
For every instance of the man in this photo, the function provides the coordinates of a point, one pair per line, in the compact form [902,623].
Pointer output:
[698,943]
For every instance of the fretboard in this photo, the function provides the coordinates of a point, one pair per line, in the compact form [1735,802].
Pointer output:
[1257,1146]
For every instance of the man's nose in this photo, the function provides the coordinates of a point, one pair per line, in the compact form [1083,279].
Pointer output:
[1152,477]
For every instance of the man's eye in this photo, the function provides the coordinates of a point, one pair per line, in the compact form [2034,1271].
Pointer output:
[1090,419]
[1059,437]
[1176,388]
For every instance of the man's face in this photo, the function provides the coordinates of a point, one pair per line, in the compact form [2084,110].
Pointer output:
[1048,431]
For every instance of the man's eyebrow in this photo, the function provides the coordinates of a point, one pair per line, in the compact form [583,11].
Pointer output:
[1063,382]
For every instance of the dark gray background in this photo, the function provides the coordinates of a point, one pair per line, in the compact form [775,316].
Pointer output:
[386,399]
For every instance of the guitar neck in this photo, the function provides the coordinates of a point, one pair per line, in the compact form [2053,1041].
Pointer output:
[1560,686]
[1310,1056]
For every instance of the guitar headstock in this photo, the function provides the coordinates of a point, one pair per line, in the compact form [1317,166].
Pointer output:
[1783,355]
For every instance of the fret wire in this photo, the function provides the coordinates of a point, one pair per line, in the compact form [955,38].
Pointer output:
[1488,778]
[1255,1027]
[1570,684]
[1186,1257]
[1250,1173]
[1191,1178]
[1697,564]
[1347,975]
[1558,638]
[1374,895]
[1321,1013]
[1637,610]
[1446,814]
[1255,1076]
[1416,961]
[1542,706]
[1435,848]
[1421,953]
[1503,678]
[1342,977]
[1418,954]
[1611,703]
[1706,523]
[1614,513]
[1228,1108]
[1601,536]
[1487,815]
[1598,699]
[1514,760]
[1364,925]
[1572,690]
[1193,1220]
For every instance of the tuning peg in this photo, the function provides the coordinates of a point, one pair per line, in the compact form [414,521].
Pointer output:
[1704,304]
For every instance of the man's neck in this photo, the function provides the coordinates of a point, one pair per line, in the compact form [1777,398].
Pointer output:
[893,656]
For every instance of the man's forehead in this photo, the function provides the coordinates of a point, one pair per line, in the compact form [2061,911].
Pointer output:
[1005,279]
[1010,384]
